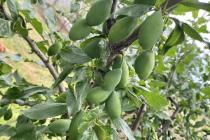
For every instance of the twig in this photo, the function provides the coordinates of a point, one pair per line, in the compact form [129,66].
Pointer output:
[126,43]
[111,20]
[166,125]
[139,117]
[37,51]
[17,101]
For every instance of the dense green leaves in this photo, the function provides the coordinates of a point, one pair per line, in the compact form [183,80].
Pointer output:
[171,102]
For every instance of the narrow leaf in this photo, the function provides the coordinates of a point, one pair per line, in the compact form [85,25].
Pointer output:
[191,32]
[176,37]
[121,124]
[32,90]
[12,8]
[62,76]
[197,5]
[134,10]
[6,130]
[71,103]
[46,110]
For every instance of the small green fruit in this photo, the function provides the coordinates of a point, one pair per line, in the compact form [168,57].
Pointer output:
[112,79]
[97,95]
[113,106]
[55,48]
[79,30]
[151,30]
[99,12]
[144,64]
[125,76]
[122,29]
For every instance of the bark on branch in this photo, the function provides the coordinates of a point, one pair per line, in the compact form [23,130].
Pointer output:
[140,114]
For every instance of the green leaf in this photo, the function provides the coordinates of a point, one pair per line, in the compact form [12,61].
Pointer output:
[6,80]
[121,124]
[5,68]
[19,26]
[62,76]
[34,22]
[146,2]
[71,102]
[74,55]
[14,93]
[201,123]
[134,10]
[103,131]
[197,5]
[134,98]
[50,18]
[59,126]
[176,37]
[191,32]
[25,131]
[81,90]
[42,46]
[19,80]
[3,110]
[159,2]
[206,91]
[45,110]
[5,29]
[155,100]
[37,25]
[6,130]
[32,90]
[12,8]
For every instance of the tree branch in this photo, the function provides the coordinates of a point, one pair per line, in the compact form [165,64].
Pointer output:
[170,3]
[111,20]
[37,51]
[166,125]
[17,101]
[126,43]
[139,117]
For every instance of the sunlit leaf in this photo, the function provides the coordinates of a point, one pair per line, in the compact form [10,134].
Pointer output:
[46,110]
